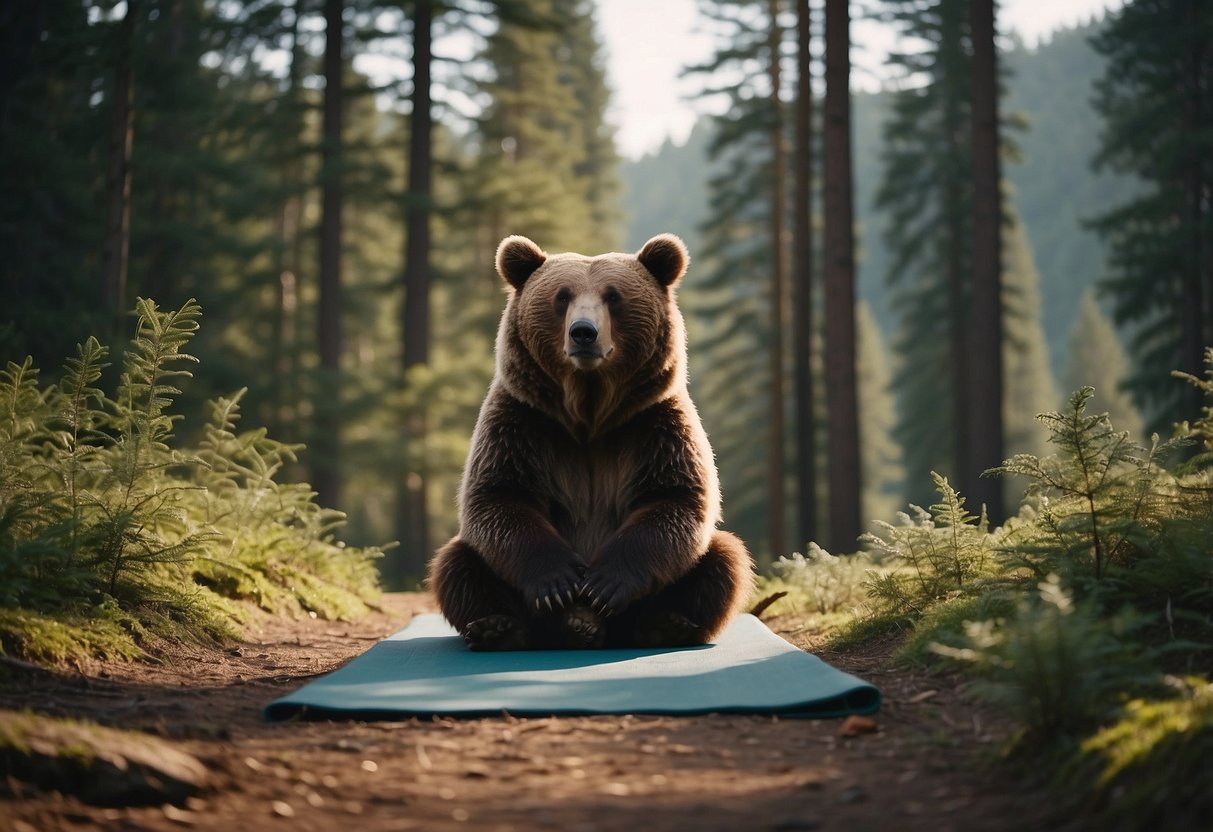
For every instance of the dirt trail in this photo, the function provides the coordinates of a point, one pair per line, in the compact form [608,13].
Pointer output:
[925,769]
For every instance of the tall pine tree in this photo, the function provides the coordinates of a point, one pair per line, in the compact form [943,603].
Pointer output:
[736,290]
[928,190]
[1156,98]
[1096,358]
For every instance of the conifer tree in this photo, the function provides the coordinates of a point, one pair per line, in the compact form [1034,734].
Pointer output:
[1158,125]
[927,189]
[1096,358]
[881,455]
[529,133]
[981,439]
[326,439]
[734,291]
[803,284]
[839,278]
[412,527]
[1029,383]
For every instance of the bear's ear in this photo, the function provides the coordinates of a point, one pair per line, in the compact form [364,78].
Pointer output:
[517,259]
[666,258]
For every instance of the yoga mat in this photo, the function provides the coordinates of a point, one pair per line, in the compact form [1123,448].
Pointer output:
[426,670]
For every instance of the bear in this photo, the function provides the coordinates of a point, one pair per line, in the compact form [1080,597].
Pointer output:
[589,502]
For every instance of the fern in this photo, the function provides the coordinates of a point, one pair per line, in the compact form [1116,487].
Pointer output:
[107,524]
[1200,430]
[939,554]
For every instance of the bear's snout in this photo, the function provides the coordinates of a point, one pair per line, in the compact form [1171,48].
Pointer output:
[583,333]
[587,340]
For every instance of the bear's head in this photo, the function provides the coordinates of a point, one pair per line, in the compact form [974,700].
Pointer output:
[608,321]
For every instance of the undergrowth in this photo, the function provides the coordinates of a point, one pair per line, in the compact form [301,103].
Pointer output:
[1079,616]
[112,533]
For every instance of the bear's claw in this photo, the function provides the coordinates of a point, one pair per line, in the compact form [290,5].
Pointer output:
[496,632]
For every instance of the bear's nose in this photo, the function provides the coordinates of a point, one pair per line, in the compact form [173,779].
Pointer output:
[583,332]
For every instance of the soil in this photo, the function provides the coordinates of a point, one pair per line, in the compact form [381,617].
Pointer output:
[926,762]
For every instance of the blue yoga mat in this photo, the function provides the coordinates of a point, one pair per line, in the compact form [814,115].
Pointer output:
[426,670]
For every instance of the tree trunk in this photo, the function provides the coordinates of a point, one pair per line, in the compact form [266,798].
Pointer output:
[326,443]
[776,483]
[413,528]
[983,385]
[1196,326]
[841,397]
[165,263]
[802,287]
[115,254]
[285,349]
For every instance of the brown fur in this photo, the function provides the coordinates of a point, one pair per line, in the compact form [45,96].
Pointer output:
[590,501]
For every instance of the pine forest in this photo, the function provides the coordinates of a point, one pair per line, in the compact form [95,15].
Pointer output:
[950,333]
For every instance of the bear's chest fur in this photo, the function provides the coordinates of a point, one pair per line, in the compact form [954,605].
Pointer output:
[589,491]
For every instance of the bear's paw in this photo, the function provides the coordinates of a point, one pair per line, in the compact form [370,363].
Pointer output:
[582,629]
[496,632]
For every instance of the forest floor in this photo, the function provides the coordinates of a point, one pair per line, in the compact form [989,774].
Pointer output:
[929,764]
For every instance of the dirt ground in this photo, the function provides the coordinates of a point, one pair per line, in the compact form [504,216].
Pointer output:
[928,766]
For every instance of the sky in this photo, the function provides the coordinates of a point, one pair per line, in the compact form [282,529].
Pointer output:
[648,42]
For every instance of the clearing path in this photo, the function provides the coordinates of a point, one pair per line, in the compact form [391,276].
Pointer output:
[926,766]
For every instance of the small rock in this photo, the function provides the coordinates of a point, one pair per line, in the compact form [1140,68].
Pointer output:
[282,809]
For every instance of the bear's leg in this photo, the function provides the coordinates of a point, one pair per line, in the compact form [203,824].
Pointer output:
[694,609]
[492,615]
[489,613]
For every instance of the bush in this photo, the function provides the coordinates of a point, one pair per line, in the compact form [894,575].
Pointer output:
[1057,667]
[824,583]
[105,524]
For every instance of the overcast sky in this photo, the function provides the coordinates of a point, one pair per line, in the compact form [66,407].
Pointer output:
[648,42]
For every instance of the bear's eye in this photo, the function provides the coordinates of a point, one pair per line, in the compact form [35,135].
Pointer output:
[563,297]
[612,296]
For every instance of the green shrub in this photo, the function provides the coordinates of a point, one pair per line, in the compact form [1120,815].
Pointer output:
[932,556]
[1058,667]
[104,522]
[823,583]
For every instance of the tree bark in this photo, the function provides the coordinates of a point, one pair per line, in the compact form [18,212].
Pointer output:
[1195,324]
[412,519]
[776,484]
[841,397]
[285,349]
[802,286]
[115,254]
[326,443]
[983,386]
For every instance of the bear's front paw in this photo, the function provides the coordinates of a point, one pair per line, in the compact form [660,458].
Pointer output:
[556,587]
[496,632]
[609,591]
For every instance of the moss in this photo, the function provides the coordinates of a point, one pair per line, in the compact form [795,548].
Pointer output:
[64,636]
[1152,766]
[96,764]
[869,628]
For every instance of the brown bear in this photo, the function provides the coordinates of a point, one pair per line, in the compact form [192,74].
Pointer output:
[589,501]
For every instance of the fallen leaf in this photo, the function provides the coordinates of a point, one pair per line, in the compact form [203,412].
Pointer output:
[854,726]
